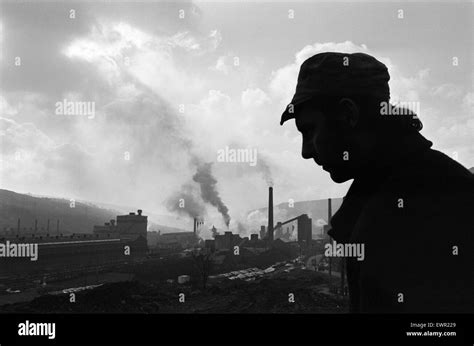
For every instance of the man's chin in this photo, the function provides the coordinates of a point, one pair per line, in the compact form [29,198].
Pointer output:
[339,177]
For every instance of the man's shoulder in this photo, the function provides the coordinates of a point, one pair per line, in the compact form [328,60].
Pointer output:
[432,193]
[430,172]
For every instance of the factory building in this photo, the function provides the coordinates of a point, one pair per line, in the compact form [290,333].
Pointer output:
[298,229]
[254,242]
[228,240]
[179,240]
[110,243]
[210,244]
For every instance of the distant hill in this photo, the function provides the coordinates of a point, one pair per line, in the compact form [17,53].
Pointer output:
[80,219]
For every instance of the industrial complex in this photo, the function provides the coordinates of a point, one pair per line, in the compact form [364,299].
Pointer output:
[114,242]
[120,246]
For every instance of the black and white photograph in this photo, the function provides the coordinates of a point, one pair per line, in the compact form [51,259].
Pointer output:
[226,165]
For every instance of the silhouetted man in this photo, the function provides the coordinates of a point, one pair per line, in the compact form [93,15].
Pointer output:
[411,206]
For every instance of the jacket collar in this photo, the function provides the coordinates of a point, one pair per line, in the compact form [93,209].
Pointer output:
[392,154]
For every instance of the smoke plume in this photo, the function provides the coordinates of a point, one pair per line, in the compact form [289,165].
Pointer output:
[186,202]
[264,168]
[214,232]
[209,194]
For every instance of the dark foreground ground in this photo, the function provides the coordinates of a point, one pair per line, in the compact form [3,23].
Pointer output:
[266,295]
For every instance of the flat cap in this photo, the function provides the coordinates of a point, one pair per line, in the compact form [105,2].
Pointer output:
[333,74]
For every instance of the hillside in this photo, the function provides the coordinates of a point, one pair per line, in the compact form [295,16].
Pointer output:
[80,219]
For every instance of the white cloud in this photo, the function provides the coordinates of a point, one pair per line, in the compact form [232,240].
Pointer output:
[215,39]
[1,41]
[254,98]
[25,136]
[216,100]
[6,108]
[184,40]
[468,102]
[222,65]
[22,153]
[121,51]
[191,43]
[406,89]
[448,91]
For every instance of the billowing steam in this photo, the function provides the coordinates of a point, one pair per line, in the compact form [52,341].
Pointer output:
[264,168]
[241,228]
[209,194]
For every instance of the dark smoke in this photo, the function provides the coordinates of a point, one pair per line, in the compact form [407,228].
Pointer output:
[192,203]
[214,232]
[209,194]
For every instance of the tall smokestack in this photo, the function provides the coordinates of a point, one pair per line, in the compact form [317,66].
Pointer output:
[194,229]
[270,213]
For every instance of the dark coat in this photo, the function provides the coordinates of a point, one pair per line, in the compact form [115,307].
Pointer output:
[414,207]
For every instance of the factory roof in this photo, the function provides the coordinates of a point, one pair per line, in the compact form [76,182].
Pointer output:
[80,242]
[177,234]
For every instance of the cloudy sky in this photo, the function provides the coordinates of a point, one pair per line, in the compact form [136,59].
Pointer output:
[174,81]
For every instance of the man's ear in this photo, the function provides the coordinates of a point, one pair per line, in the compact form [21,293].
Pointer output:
[348,113]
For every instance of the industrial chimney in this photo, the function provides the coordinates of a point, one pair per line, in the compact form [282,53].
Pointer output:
[270,213]
[195,226]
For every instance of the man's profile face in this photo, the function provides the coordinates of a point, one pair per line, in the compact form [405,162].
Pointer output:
[325,142]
